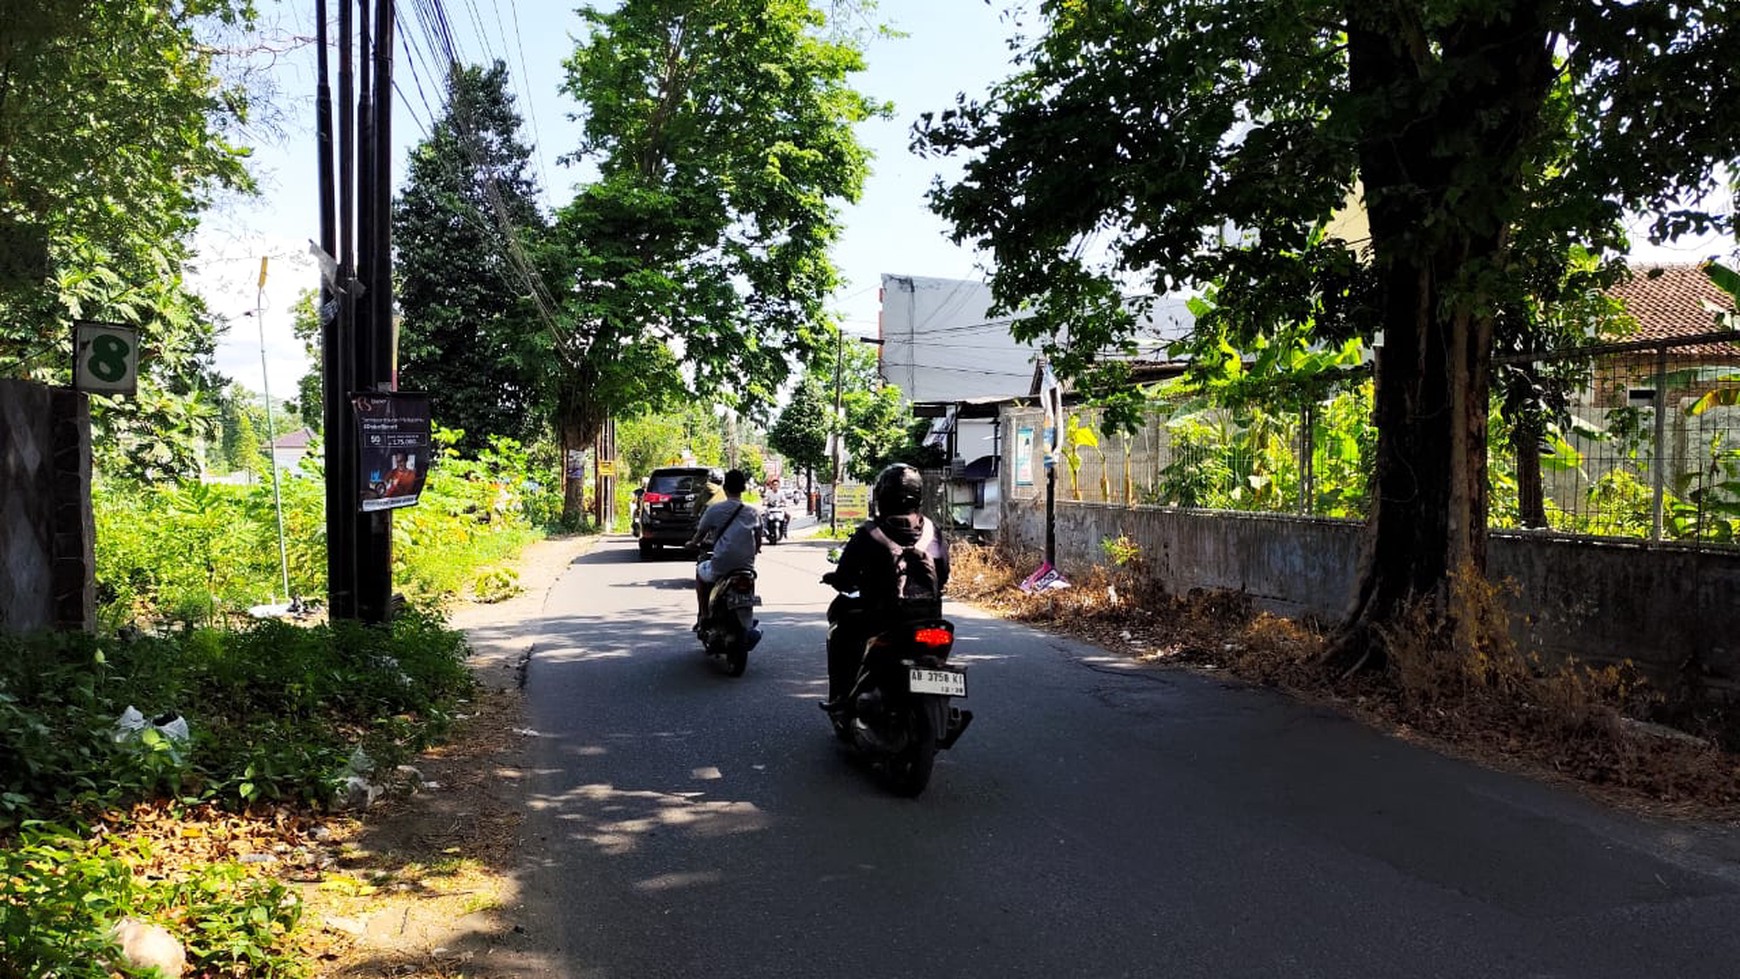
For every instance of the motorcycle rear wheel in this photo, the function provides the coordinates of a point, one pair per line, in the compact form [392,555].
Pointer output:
[909,771]
[736,659]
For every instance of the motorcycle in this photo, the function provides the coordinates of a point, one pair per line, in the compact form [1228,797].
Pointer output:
[898,713]
[730,628]
[775,522]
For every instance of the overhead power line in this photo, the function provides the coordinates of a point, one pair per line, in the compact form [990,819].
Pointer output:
[438,42]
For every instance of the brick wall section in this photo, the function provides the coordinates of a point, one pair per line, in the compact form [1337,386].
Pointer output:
[1597,600]
[47,532]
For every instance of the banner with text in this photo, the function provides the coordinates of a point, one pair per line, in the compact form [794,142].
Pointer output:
[393,438]
[853,502]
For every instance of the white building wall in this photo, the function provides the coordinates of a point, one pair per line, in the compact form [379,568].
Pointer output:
[938,343]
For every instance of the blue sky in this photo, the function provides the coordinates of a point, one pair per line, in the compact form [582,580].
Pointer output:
[951,46]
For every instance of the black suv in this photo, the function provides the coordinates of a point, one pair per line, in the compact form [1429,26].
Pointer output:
[671,506]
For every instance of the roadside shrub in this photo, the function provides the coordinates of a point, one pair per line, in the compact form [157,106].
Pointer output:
[274,710]
[496,585]
[193,555]
[60,896]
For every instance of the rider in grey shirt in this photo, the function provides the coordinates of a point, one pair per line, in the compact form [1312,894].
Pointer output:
[734,527]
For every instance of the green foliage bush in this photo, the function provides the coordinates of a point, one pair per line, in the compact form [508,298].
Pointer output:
[274,710]
[61,895]
[195,554]
[496,585]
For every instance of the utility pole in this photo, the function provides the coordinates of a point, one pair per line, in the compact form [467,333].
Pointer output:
[373,339]
[339,568]
[839,427]
[356,337]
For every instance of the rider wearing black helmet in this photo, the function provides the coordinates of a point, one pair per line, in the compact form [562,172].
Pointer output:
[868,566]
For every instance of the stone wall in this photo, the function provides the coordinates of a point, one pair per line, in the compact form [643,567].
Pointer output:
[47,534]
[1597,600]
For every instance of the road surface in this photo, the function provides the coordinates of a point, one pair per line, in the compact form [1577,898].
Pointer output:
[1099,819]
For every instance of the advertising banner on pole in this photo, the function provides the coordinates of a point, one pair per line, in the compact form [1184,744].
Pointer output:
[854,502]
[393,440]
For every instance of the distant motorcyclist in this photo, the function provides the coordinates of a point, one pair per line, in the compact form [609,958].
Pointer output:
[897,562]
[715,489]
[732,528]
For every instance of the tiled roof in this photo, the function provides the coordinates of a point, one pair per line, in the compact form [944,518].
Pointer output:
[298,439]
[1668,301]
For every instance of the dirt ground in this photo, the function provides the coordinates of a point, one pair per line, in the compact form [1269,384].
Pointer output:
[424,883]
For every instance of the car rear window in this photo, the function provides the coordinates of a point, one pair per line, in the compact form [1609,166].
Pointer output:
[672,483]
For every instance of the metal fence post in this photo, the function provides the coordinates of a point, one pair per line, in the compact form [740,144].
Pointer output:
[1307,452]
[1659,469]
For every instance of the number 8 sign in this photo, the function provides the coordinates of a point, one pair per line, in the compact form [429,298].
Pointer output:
[105,358]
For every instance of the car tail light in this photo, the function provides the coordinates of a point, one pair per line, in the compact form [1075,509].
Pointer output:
[651,497]
[933,637]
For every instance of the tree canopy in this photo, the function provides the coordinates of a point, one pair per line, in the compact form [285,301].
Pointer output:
[697,262]
[800,433]
[1153,144]
[113,133]
[461,227]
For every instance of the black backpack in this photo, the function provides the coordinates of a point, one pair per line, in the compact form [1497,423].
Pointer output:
[916,592]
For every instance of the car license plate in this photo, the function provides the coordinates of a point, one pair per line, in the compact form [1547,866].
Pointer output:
[945,682]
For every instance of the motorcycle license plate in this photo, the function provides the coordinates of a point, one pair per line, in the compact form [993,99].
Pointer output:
[946,682]
[741,600]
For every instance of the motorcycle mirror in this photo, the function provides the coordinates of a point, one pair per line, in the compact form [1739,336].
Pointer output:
[833,555]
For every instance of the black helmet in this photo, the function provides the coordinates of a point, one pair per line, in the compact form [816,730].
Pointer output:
[899,489]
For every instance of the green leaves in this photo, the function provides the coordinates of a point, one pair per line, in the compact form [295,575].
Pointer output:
[800,434]
[111,141]
[722,132]
[472,334]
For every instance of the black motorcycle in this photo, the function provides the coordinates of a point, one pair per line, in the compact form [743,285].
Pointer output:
[898,713]
[775,523]
[730,628]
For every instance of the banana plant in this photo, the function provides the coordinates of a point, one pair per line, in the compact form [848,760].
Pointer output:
[1076,437]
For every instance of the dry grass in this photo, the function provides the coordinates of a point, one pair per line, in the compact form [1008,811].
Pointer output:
[1477,698]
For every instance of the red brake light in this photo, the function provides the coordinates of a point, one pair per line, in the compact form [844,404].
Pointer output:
[651,497]
[933,637]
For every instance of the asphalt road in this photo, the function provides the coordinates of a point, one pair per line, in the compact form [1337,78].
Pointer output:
[1098,819]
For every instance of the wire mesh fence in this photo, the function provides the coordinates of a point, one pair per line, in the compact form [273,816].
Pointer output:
[1634,440]
[1643,441]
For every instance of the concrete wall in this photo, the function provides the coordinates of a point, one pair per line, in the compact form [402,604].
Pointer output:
[47,534]
[1597,600]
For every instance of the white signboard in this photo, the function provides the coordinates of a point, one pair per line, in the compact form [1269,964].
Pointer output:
[105,358]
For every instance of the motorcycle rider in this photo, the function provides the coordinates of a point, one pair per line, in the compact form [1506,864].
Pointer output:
[715,489]
[733,528]
[777,520]
[867,566]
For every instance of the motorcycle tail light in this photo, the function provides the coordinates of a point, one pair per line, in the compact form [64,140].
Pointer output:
[655,498]
[743,584]
[933,637]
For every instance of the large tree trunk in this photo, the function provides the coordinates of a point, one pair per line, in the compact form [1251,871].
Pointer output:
[1426,531]
[1526,431]
[579,416]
